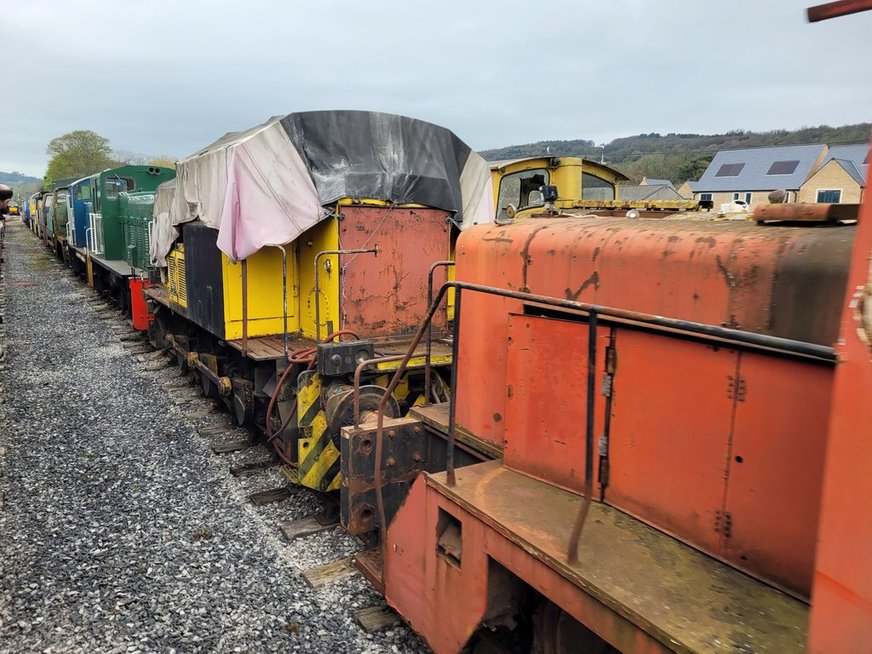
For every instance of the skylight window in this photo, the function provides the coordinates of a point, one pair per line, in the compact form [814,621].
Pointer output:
[783,167]
[730,170]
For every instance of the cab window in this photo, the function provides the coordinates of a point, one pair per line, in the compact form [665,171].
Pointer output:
[596,188]
[522,190]
[83,192]
[116,185]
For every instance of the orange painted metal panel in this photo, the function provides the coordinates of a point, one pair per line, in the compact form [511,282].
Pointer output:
[546,406]
[761,279]
[670,431]
[776,468]
[841,621]
[442,602]
[386,294]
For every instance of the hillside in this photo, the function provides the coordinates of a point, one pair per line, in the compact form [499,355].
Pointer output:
[679,157]
[15,177]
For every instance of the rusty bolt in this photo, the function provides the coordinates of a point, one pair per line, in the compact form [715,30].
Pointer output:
[417,429]
[391,462]
[416,457]
[392,434]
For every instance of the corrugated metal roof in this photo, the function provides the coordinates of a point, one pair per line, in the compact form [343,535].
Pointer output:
[856,153]
[650,181]
[633,193]
[748,169]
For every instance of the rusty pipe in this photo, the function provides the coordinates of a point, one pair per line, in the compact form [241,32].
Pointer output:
[323,253]
[575,536]
[836,9]
[427,366]
[452,405]
[357,373]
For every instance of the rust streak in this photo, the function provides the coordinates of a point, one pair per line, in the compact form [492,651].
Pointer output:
[525,255]
[728,276]
[593,279]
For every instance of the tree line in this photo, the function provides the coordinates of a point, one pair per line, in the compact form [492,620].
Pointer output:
[82,152]
[679,157]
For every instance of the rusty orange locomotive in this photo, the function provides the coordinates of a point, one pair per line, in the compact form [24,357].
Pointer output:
[675,415]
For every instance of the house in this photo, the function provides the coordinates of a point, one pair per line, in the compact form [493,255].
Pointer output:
[686,190]
[841,178]
[650,181]
[647,192]
[752,174]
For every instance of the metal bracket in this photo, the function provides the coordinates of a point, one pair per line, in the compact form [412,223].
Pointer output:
[402,460]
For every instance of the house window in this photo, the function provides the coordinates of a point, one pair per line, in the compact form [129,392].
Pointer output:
[730,170]
[829,196]
[705,197]
[743,196]
[783,167]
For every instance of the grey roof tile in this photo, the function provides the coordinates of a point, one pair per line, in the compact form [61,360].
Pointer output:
[756,162]
[856,153]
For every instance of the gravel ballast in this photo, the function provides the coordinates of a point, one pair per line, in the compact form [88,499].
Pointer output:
[120,530]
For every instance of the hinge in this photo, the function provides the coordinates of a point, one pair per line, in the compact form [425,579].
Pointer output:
[724,523]
[603,472]
[606,386]
[611,359]
[736,388]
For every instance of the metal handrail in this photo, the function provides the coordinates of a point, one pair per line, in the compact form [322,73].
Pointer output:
[593,313]
[284,299]
[357,373]
[427,369]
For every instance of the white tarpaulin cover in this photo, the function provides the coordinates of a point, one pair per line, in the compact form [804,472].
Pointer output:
[268,184]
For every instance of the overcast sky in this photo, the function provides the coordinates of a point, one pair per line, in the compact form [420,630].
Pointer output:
[168,77]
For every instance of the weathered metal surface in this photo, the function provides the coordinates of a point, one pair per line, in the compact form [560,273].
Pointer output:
[667,445]
[385,294]
[802,212]
[546,406]
[722,449]
[371,565]
[774,470]
[836,9]
[841,619]
[740,276]
[639,589]
[403,458]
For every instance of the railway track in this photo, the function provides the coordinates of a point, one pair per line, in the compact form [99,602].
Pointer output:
[262,533]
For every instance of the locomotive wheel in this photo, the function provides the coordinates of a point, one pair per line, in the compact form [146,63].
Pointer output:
[557,632]
[209,389]
[370,397]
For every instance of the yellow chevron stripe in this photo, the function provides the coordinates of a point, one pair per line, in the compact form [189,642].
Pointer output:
[319,466]
[308,399]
